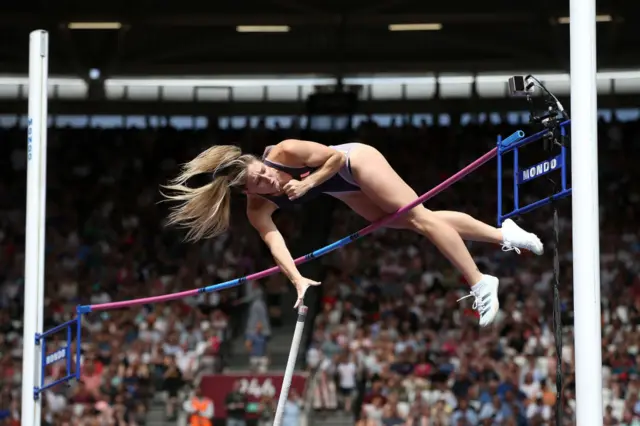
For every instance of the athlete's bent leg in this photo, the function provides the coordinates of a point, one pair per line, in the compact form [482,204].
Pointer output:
[446,239]
[484,288]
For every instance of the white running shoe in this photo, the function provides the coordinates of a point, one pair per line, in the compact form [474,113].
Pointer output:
[515,238]
[485,295]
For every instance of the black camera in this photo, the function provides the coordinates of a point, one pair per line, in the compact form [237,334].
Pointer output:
[520,85]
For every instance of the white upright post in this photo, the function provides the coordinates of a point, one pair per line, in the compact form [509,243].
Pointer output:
[586,233]
[35,223]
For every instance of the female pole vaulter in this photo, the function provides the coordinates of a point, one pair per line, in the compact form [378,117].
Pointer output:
[295,171]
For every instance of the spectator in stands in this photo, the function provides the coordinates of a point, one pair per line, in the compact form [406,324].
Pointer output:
[275,288]
[121,414]
[258,311]
[91,376]
[391,417]
[324,391]
[292,409]
[420,415]
[256,344]
[172,383]
[346,370]
[464,415]
[375,410]
[82,398]
[11,414]
[199,408]
[537,411]
[236,404]
[366,420]
[266,411]
[206,355]
[440,413]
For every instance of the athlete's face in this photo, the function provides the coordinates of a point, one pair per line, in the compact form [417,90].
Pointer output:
[261,179]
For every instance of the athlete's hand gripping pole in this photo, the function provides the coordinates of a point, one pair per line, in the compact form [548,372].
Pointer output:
[302,285]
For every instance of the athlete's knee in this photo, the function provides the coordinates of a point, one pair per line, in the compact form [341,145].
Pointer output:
[422,220]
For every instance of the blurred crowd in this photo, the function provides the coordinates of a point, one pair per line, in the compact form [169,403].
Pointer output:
[106,241]
[391,343]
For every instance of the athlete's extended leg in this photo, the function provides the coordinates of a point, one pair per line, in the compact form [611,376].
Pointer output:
[469,228]
[511,236]
[386,189]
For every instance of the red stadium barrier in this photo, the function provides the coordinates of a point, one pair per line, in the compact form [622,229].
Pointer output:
[254,386]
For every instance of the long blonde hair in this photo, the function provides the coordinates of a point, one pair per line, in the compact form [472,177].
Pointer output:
[205,210]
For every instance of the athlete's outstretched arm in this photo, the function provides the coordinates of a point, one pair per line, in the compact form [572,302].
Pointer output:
[259,212]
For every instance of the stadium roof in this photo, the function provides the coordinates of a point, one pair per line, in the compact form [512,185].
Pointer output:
[196,37]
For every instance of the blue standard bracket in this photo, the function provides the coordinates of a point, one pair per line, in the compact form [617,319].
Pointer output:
[64,353]
[520,176]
